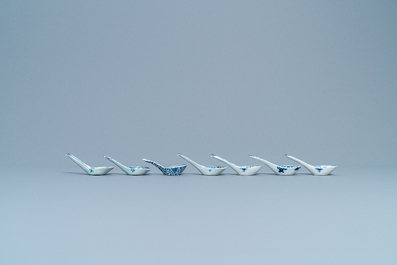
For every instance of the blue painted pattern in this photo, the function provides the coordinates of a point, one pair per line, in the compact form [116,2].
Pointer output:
[318,169]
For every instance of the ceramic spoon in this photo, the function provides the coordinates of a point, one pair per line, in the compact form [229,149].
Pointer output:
[285,170]
[170,171]
[209,171]
[241,170]
[322,170]
[95,171]
[135,171]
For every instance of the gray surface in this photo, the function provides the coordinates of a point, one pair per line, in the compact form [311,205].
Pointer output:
[313,79]
[53,217]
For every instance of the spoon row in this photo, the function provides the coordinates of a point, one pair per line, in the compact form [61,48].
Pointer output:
[285,170]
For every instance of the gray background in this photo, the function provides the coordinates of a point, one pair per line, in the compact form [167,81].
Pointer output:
[149,79]
[146,79]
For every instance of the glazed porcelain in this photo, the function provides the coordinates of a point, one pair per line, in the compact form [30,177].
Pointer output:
[170,171]
[94,171]
[285,170]
[135,171]
[241,170]
[205,170]
[322,170]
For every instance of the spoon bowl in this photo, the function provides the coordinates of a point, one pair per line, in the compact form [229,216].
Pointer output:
[321,170]
[169,171]
[94,171]
[241,170]
[205,170]
[284,170]
[134,171]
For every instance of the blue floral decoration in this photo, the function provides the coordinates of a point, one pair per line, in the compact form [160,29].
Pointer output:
[318,169]
[281,169]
